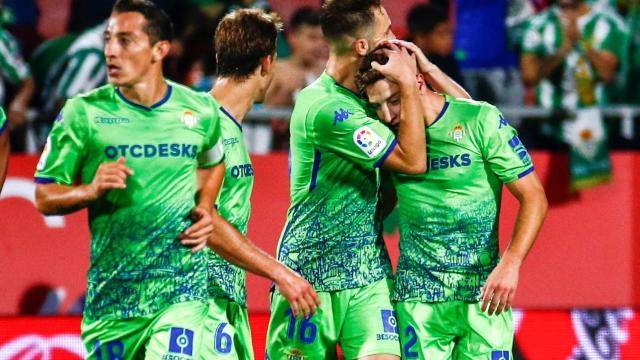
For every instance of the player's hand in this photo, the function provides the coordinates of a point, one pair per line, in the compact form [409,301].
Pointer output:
[400,68]
[425,66]
[298,292]
[196,235]
[112,175]
[500,289]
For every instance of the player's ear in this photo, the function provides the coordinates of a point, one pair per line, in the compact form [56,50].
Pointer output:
[160,50]
[267,64]
[361,46]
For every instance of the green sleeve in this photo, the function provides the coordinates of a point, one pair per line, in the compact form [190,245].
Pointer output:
[347,131]
[12,66]
[501,148]
[3,121]
[532,40]
[65,149]
[615,39]
[213,152]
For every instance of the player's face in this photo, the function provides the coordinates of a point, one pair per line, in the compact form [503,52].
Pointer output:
[385,96]
[309,43]
[381,28]
[127,49]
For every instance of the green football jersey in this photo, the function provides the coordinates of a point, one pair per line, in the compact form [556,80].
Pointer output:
[576,83]
[333,233]
[449,216]
[3,121]
[234,204]
[137,265]
[12,66]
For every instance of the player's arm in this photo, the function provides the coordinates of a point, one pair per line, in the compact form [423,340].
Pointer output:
[500,288]
[605,63]
[438,80]
[410,155]
[60,199]
[227,241]
[4,154]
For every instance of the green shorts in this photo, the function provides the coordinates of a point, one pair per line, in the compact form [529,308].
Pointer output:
[453,330]
[172,334]
[361,320]
[227,334]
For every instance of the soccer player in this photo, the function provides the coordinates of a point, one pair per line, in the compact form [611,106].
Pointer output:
[135,144]
[454,292]
[4,147]
[244,74]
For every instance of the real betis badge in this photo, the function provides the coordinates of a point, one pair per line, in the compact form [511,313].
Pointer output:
[189,119]
[457,133]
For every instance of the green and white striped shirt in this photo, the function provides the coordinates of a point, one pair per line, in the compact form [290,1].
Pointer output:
[13,68]
[575,84]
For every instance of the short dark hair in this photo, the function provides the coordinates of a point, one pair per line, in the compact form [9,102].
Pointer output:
[367,75]
[424,18]
[158,27]
[243,38]
[340,18]
[305,15]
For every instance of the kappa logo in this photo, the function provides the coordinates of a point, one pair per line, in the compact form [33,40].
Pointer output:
[111,120]
[340,115]
[368,141]
[181,341]
[503,122]
[189,119]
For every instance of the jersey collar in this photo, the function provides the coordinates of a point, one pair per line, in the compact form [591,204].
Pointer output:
[230,117]
[164,99]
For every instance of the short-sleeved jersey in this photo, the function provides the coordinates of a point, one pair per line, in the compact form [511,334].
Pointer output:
[332,236]
[3,121]
[138,265]
[449,216]
[576,83]
[234,204]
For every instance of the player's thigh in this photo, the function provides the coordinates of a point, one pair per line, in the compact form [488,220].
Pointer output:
[239,319]
[486,337]
[427,330]
[218,332]
[115,339]
[300,338]
[177,331]
[370,326]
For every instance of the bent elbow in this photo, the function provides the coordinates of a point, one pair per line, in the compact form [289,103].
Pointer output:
[416,169]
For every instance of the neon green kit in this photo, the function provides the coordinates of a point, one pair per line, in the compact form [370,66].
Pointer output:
[449,226]
[138,268]
[332,236]
[228,334]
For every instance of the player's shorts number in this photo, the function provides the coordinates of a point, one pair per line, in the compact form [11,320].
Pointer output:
[307,332]
[223,341]
[410,332]
[115,350]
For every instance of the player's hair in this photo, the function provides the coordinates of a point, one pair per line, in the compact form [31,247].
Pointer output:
[305,15]
[158,27]
[367,75]
[424,18]
[243,38]
[342,18]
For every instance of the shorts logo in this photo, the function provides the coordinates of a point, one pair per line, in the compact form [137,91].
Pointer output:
[181,341]
[500,355]
[389,322]
[340,115]
[457,133]
[189,119]
[368,141]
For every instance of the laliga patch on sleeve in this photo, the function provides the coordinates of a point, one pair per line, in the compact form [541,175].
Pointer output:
[369,141]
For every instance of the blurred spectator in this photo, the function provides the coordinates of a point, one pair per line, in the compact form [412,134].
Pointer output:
[570,51]
[22,18]
[308,57]
[489,67]
[16,71]
[431,30]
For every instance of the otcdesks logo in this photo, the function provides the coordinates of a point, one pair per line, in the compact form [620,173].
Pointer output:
[189,151]
[450,161]
[368,141]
